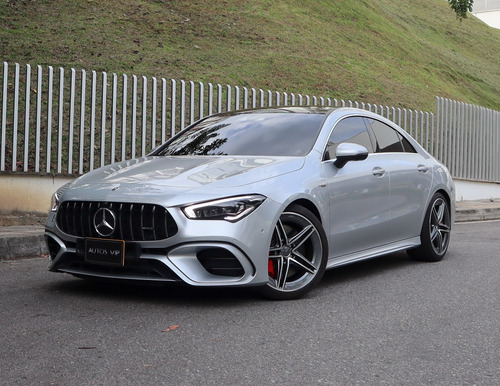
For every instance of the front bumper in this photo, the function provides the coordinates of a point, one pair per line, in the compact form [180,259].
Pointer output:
[201,253]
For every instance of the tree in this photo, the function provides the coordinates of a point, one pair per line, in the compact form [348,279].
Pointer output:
[461,7]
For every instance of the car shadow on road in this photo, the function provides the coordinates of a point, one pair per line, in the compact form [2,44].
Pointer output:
[367,268]
[171,293]
[183,294]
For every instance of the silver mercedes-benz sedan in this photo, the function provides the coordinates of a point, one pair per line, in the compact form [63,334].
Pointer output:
[267,198]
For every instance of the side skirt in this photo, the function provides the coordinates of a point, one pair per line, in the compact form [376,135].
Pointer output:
[373,252]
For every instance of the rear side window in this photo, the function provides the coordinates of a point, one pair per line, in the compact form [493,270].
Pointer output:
[352,130]
[388,139]
[407,145]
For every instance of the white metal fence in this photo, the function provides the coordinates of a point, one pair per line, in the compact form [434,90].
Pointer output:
[468,140]
[69,122]
[486,5]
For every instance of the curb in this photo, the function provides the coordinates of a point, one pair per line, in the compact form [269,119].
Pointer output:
[480,210]
[22,246]
[485,214]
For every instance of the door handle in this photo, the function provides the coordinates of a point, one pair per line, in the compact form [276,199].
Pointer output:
[422,168]
[378,172]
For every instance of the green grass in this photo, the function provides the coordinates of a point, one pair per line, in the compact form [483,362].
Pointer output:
[387,52]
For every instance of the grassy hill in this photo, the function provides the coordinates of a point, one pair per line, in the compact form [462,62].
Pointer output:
[387,51]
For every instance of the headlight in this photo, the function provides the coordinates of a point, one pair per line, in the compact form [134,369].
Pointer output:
[54,205]
[229,209]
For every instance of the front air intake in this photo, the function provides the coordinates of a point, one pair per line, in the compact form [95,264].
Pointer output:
[221,262]
[52,246]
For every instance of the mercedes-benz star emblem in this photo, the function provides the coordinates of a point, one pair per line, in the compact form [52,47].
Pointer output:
[104,222]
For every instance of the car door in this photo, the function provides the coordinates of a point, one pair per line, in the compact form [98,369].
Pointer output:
[359,193]
[410,177]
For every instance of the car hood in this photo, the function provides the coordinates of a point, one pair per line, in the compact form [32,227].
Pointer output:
[169,176]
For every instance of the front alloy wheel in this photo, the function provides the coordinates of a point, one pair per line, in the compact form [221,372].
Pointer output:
[297,254]
[435,234]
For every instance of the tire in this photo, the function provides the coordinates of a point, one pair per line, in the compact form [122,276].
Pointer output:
[297,255]
[435,234]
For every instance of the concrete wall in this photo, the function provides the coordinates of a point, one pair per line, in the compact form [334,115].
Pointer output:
[472,190]
[487,11]
[32,193]
[491,18]
[28,193]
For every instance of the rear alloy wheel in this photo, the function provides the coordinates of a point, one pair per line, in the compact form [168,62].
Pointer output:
[297,255]
[435,234]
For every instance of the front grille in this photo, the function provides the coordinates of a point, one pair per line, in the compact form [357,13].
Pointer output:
[132,222]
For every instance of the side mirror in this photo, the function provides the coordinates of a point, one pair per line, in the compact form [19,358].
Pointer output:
[346,152]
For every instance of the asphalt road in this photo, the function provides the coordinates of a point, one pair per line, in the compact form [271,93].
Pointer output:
[386,321]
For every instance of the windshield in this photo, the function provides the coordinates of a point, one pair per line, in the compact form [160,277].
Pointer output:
[249,133]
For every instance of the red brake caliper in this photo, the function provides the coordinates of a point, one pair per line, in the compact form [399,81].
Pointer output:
[270,269]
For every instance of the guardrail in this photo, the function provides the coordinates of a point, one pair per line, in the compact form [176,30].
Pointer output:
[70,122]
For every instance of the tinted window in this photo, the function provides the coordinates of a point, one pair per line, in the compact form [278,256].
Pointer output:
[255,133]
[351,130]
[388,139]
[407,145]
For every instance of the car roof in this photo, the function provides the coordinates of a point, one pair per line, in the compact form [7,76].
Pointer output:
[324,110]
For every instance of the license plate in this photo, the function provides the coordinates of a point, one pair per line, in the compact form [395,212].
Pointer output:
[101,251]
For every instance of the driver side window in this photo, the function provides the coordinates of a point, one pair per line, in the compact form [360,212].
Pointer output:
[351,129]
